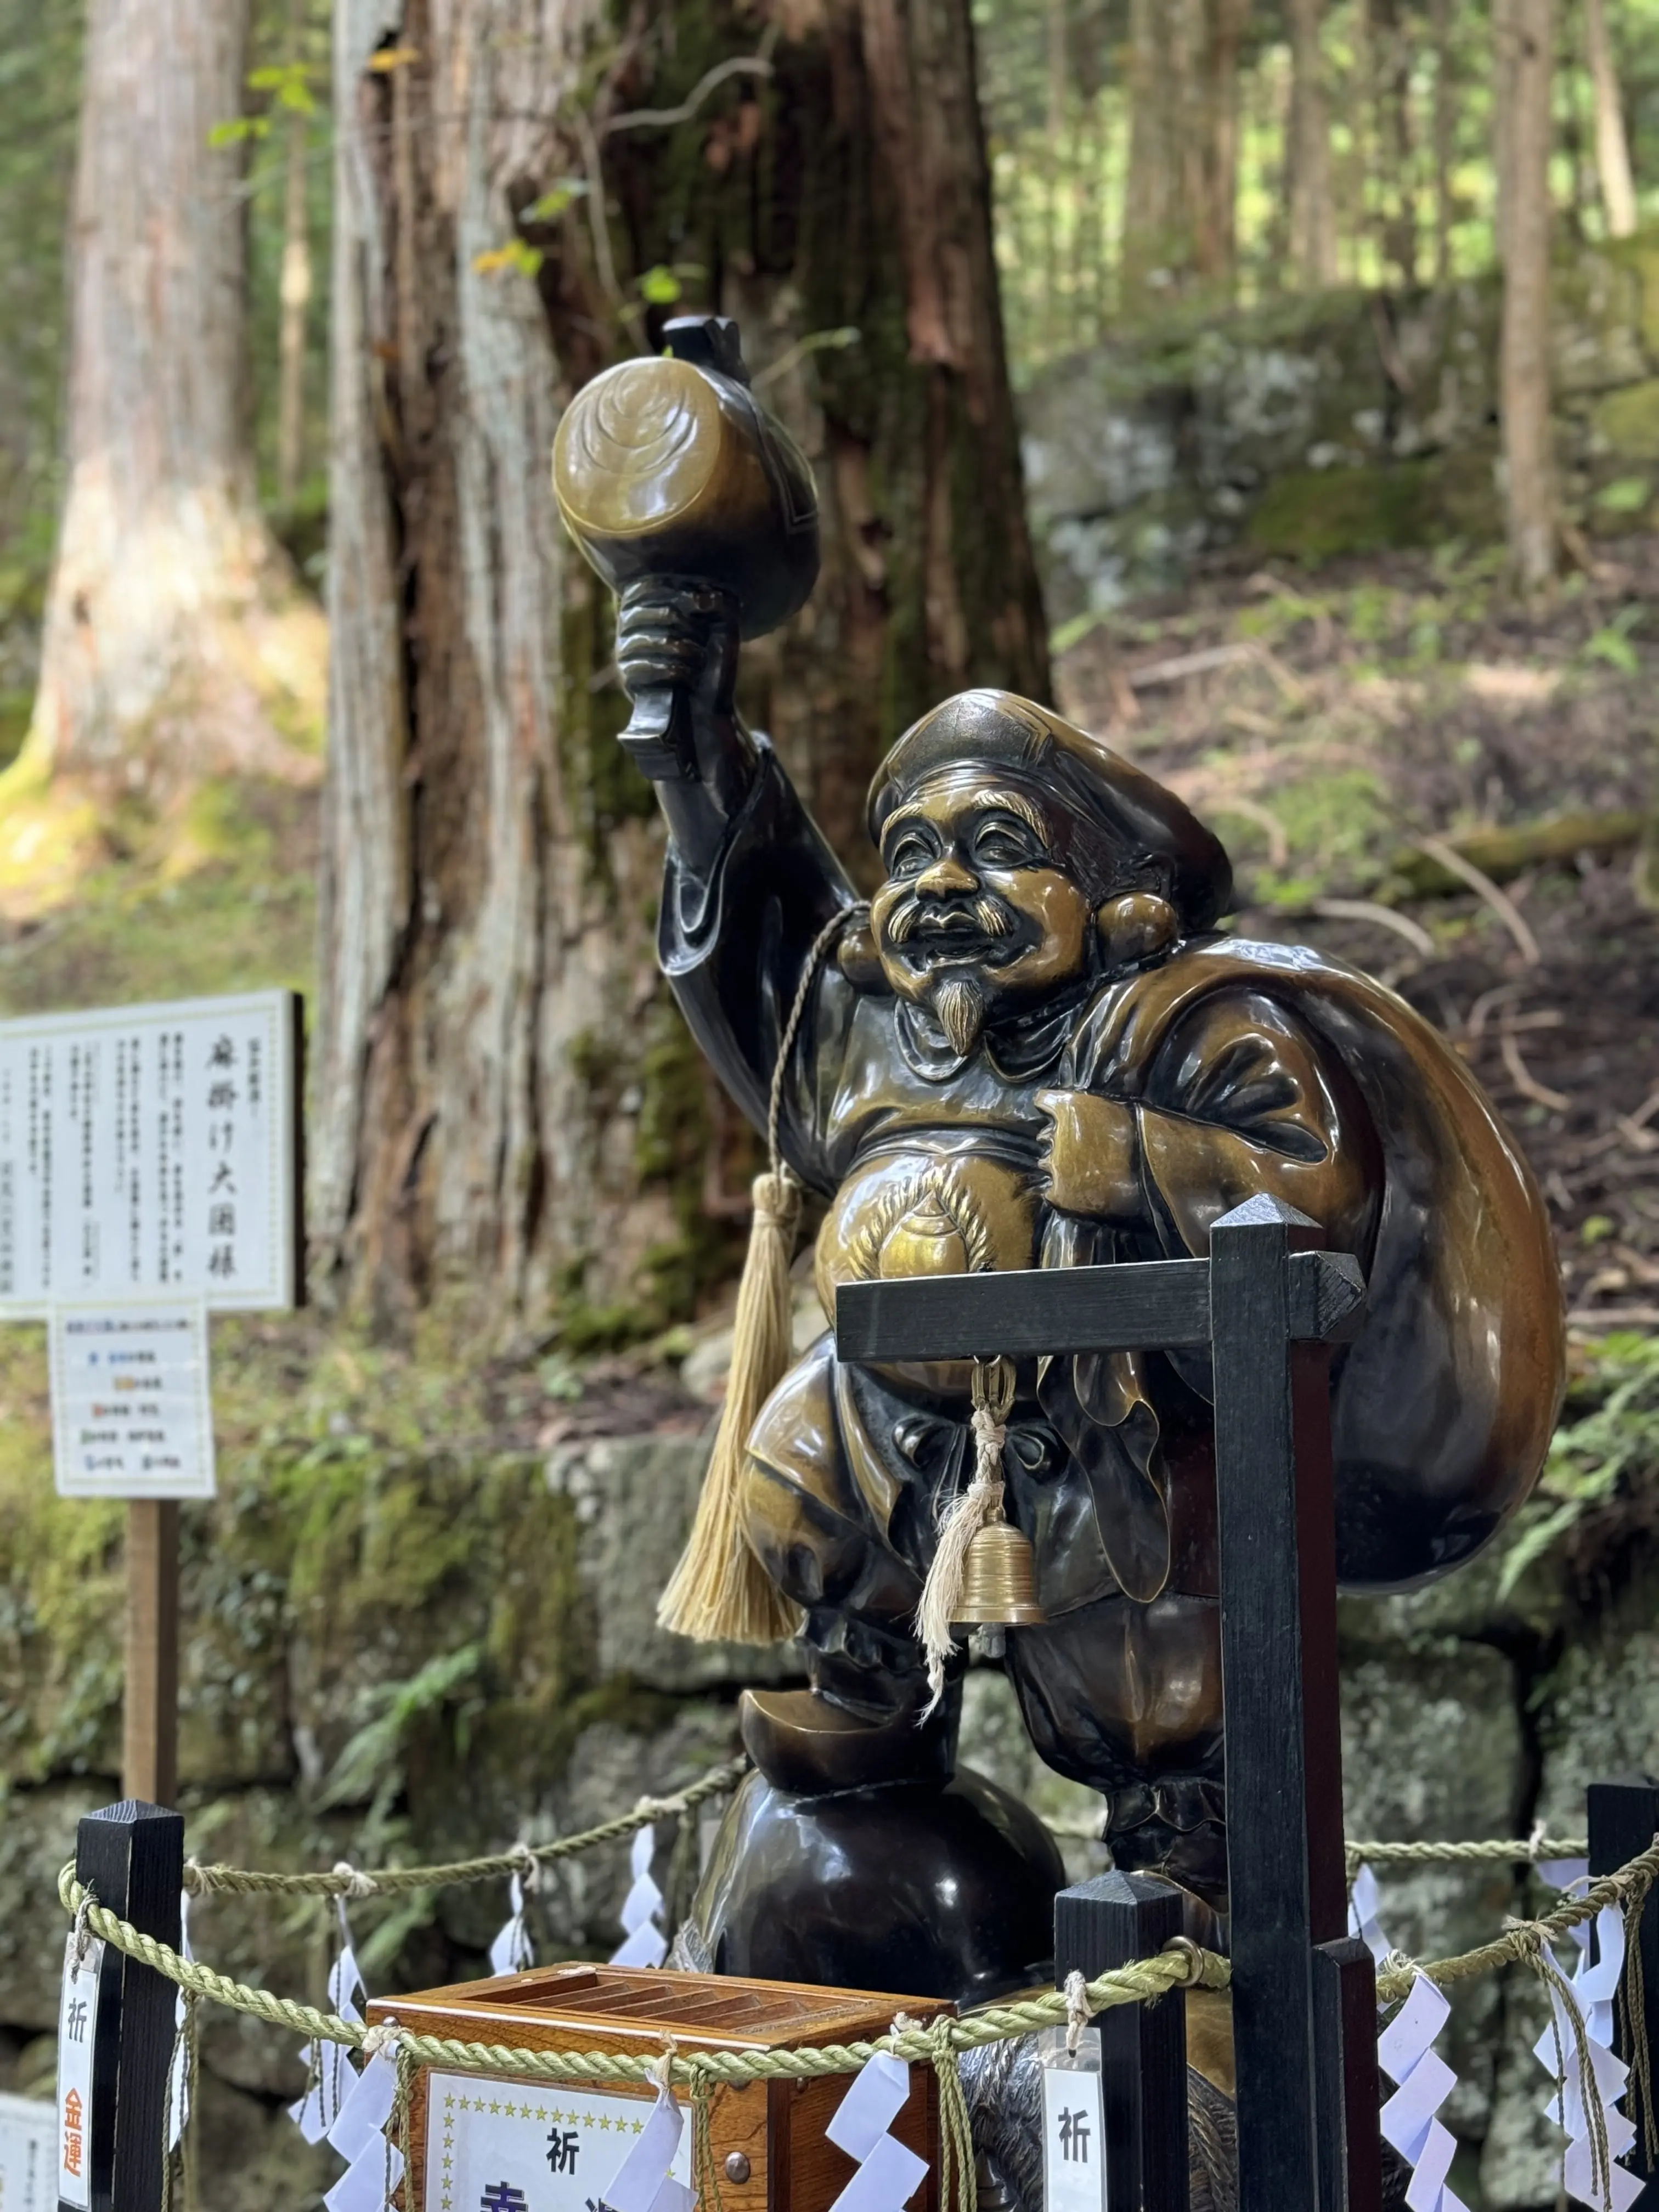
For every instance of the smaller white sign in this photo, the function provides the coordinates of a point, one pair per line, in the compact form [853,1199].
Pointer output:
[1074,2140]
[28,2127]
[130,1413]
[77,2027]
[519,2146]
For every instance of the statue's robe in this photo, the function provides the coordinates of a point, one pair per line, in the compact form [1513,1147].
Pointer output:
[1246,1068]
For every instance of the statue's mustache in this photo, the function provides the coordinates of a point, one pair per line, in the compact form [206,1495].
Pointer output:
[985,915]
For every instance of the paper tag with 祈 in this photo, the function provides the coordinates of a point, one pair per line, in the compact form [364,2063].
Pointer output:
[77,2026]
[1073,2122]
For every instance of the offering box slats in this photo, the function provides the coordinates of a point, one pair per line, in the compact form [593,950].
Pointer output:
[777,2127]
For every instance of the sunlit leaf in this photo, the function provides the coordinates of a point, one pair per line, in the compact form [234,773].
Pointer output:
[1625,496]
[554,202]
[659,286]
[515,256]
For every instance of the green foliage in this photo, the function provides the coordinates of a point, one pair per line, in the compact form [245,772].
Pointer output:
[371,1768]
[1611,643]
[1606,1449]
[289,84]
[552,203]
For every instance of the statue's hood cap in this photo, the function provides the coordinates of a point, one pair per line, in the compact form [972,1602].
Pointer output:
[1126,832]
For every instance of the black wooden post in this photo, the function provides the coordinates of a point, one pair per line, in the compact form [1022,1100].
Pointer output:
[1623,1819]
[1283,1767]
[1099,1925]
[1270,1306]
[133,1856]
[1345,2099]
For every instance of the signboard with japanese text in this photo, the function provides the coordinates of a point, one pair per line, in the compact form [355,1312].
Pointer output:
[28,2130]
[130,1412]
[151,1151]
[521,2146]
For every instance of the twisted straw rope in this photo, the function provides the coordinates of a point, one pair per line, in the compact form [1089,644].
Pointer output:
[1496,1851]
[1183,1967]
[388,1882]
[1527,1939]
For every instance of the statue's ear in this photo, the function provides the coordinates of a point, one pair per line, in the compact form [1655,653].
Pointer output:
[856,956]
[1136,926]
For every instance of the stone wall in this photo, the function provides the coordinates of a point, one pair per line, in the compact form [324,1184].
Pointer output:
[426,1654]
[1348,421]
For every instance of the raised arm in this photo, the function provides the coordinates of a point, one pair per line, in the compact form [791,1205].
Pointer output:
[749,883]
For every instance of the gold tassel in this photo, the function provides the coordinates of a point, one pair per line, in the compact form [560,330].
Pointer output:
[720,1591]
[962,1519]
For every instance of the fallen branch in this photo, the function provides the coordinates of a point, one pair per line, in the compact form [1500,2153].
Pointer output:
[1385,917]
[1525,1081]
[1501,854]
[1459,865]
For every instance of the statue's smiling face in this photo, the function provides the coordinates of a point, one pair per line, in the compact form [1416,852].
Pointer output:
[978,916]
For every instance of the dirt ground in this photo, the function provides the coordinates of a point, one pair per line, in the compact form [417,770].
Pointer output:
[1328,725]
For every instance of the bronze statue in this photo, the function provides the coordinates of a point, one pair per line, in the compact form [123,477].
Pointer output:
[1036,1049]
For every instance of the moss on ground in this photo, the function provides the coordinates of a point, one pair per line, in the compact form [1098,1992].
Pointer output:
[229,905]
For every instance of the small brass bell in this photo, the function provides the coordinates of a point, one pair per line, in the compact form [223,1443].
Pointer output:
[999,1581]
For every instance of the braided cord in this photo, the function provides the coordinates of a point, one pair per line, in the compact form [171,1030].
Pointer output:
[1494,1852]
[389,1881]
[1142,1982]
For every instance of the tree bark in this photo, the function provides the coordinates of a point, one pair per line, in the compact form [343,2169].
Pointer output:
[1157,240]
[1443,124]
[1391,63]
[504,1092]
[1215,185]
[170,606]
[1313,209]
[295,289]
[1180,208]
[1526,27]
[1611,148]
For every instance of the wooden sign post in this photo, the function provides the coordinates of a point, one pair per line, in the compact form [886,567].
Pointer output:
[149,1716]
[150,1171]
[1269,1305]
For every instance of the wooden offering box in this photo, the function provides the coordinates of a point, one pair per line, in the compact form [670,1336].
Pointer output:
[484,2143]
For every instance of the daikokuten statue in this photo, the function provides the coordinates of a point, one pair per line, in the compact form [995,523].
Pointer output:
[1036,1047]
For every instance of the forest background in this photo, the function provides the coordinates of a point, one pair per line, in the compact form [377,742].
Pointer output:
[1275,387]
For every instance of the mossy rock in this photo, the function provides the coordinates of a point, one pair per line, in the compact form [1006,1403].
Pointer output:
[1627,421]
[1313,514]
[1640,254]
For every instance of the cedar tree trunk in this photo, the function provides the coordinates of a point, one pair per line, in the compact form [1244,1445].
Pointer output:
[504,1092]
[1313,211]
[1180,200]
[170,609]
[1611,148]
[1526,29]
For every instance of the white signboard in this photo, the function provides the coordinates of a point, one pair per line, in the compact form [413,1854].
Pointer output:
[77,2025]
[150,1152]
[130,1413]
[29,2128]
[512,2147]
[1074,2140]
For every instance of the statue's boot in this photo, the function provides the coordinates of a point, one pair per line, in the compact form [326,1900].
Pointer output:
[854,1857]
